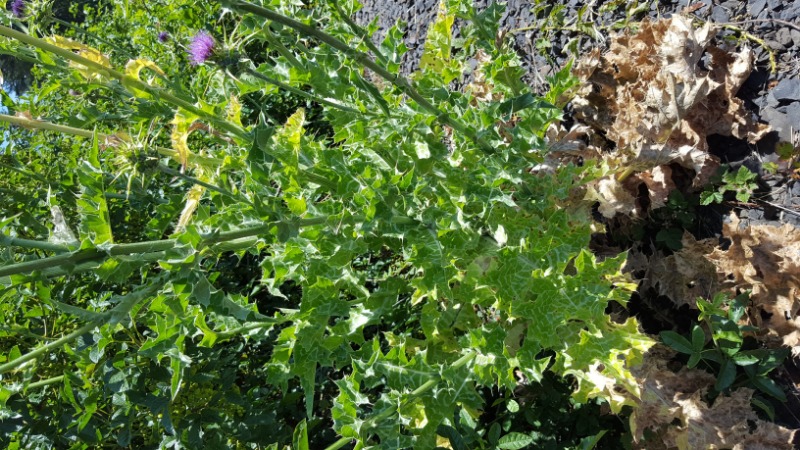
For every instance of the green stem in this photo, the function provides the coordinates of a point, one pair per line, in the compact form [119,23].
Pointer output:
[42,125]
[86,255]
[339,444]
[425,387]
[124,307]
[205,161]
[125,79]
[361,33]
[45,382]
[10,241]
[320,180]
[362,58]
[278,45]
[234,245]
[625,174]
[143,250]
[209,186]
[302,93]
[11,365]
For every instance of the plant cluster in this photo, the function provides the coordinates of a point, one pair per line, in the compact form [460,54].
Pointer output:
[239,226]
[738,360]
[741,183]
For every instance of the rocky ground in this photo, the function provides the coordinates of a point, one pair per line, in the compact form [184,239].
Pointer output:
[770,95]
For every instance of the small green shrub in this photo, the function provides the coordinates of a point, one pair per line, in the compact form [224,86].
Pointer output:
[736,358]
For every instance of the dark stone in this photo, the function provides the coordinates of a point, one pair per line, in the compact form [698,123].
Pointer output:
[775,5]
[757,6]
[787,90]
[720,15]
[728,149]
[757,80]
[779,122]
[784,37]
[793,113]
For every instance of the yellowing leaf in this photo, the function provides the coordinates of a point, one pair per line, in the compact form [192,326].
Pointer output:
[181,128]
[135,66]
[436,56]
[287,140]
[234,111]
[192,200]
[296,205]
[133,69]
[84,51]
[293,130]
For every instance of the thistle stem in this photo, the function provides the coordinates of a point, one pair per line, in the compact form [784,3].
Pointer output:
[362,33]
[209,186]
[362,58]
[10,241]
[11,365]
[125,79]
[147,248]
[302,93]
[42,125]
[45,382]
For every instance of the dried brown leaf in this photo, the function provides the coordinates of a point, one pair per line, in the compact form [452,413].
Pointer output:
[653,99]
[765,259]
[673,409]
[685,275]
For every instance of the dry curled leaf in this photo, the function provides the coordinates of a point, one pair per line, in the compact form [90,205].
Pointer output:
[685,275]
[657,95]
[673,411]
[765,260]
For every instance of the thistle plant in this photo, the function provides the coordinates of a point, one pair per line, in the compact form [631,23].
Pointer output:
[201,48]
[485,278]
[17,8]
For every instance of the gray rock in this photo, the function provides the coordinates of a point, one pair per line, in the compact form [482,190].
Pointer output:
[793,113]
[791,12]
[757,6]
[787,90]
[720,15]
[775,4]
[771,100]
[734,7]
[784,37]
[779,122]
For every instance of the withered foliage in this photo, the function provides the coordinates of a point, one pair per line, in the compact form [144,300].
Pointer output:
[656,96]
[646,108]
[765,260]
[673,414]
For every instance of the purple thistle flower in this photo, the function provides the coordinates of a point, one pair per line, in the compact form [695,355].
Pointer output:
[163,37]
[201,48]
[17,8]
